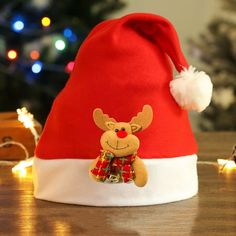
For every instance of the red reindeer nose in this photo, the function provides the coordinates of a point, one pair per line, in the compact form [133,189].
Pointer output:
[121,134]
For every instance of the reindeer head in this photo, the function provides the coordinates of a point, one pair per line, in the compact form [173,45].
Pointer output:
[119,137]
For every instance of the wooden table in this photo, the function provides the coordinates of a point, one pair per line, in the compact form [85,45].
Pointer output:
[212,212]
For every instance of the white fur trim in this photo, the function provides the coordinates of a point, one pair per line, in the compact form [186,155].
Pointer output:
[192,89]
[67,181]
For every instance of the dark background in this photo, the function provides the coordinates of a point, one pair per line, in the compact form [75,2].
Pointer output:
[19,86]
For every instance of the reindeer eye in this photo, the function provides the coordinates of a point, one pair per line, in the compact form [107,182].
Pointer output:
[123,129]
[116,130]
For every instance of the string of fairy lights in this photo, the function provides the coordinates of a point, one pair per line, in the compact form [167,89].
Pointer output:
[27,119]
[18,25]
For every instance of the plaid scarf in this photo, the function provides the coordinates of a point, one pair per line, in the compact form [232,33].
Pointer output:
[113,169]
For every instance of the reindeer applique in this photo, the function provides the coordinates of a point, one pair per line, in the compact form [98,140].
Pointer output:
[118,162]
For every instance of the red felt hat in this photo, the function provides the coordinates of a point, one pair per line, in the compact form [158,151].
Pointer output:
[124,64]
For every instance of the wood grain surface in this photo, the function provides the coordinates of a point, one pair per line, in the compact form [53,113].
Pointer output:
[212,212]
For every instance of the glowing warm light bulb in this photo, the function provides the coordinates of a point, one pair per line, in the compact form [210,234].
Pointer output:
[25,117]
[34,54]
[69,67]
[22,172]
[12,54]
[230,165]
[20,168]
[46,21]
[60,44]
[226,164]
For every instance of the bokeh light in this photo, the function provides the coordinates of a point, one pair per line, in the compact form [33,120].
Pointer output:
[60,44]
[46,21]
[67,32]
[37,67]
[69,67]
[12,54]
[34,55]
[18,25]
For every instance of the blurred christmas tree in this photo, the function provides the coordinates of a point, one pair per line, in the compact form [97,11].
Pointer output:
[38,42]
[216,48]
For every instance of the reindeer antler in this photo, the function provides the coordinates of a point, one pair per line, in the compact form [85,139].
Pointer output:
[143,118]
[100,119]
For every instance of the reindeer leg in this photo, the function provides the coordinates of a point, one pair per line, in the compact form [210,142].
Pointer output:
[140,171]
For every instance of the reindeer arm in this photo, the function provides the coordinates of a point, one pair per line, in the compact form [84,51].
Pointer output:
[92,166]
[140,171]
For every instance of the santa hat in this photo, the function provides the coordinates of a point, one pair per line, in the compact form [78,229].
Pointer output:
[122,65]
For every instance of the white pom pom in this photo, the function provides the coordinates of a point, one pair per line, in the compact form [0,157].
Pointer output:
[192,89]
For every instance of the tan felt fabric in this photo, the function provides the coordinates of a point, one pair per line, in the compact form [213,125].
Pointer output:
[141,175]
[143,118]
[120,140]
[100,119]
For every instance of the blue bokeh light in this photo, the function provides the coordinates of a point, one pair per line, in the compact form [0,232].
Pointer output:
[73,38]
[18,25]
[37,67]
[67,32]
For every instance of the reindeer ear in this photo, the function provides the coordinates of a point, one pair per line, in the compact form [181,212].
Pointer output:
[135,128]
[110,125]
